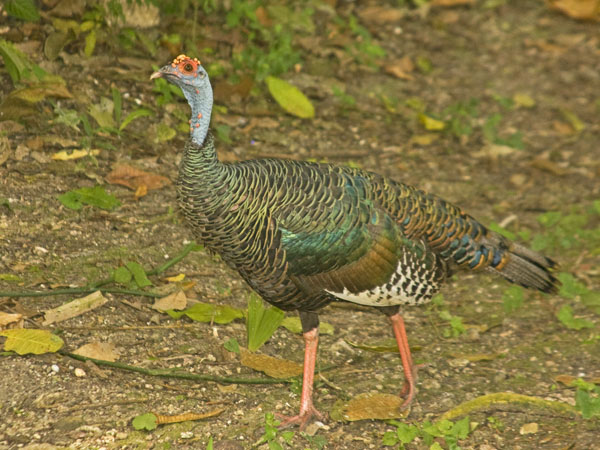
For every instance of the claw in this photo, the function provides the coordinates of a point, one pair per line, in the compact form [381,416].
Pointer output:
[302,419]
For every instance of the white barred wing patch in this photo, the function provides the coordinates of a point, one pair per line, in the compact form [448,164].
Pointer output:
[411,284]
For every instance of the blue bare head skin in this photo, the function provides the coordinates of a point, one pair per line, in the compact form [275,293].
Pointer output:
[189,75]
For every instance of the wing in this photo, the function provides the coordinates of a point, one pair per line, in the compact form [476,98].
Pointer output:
[337,239]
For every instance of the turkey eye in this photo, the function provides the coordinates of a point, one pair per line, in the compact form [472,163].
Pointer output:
[188,67]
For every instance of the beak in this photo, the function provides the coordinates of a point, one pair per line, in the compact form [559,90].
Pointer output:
[157,74]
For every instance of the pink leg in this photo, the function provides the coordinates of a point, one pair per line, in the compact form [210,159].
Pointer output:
[410,372]
[307,409]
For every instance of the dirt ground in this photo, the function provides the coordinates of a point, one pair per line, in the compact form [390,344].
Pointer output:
[490,54]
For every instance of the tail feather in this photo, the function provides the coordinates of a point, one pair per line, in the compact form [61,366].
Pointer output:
[529,269]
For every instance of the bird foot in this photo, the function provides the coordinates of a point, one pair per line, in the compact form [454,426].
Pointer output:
[301,419]
[409,389]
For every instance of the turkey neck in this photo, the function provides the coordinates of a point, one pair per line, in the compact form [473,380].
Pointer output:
[200,163]
[202,187]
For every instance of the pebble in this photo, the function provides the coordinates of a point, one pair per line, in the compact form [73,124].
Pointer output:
[458,362]
[55,368]
[79,372]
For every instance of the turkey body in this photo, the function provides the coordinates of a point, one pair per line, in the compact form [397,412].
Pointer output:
[304,234]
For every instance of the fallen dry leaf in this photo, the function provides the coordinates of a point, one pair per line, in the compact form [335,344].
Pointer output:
[99,350]
[381,14]
[274,367]
[494,151]
[63,155]
[133,178]
[563,128]
[545,46]
[175,278]
[263,17]
[452,2]
[374,406]
[140,191]
[548,166]
[160,419]
[176,300]
[225,90]
[59,140]
[529,428]
[577,9]
[401,68]
[74,308]
[10,321]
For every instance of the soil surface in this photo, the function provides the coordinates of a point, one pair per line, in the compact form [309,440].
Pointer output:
[537,70]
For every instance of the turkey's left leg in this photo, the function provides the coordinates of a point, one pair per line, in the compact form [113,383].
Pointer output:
[310,332]
[410,370]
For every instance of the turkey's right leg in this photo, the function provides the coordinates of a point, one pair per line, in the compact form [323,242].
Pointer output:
[310,328]
[410,370]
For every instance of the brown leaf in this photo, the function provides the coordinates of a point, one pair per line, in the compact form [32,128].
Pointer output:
[374,406]
[568,379]
[133,178]
[274,367]
[68,8]
[545,46]
[452,2]
[548,166]
[577,9]
[74,308]
[38,92]
[401,68]
[9,321]
[224,90]
[176,300]
[565,379]
[381,14]
[263,17]
[140,191]
[160,419]
[60,141]
[563,128]
[99,350]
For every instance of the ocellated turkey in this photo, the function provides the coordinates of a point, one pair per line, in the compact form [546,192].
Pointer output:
[305,234]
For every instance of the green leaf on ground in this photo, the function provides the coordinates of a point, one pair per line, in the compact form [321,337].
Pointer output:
[261,322]
[207,312]
[16,62]
[139,274]
[565,315]
[22,9]
[144,422]
[290,98]
[10,277]
[122,275]
[136,114]
[587,403]
[294,325]
[570,286]
[103,113]
[28,341]
[94,196]
[232,345]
